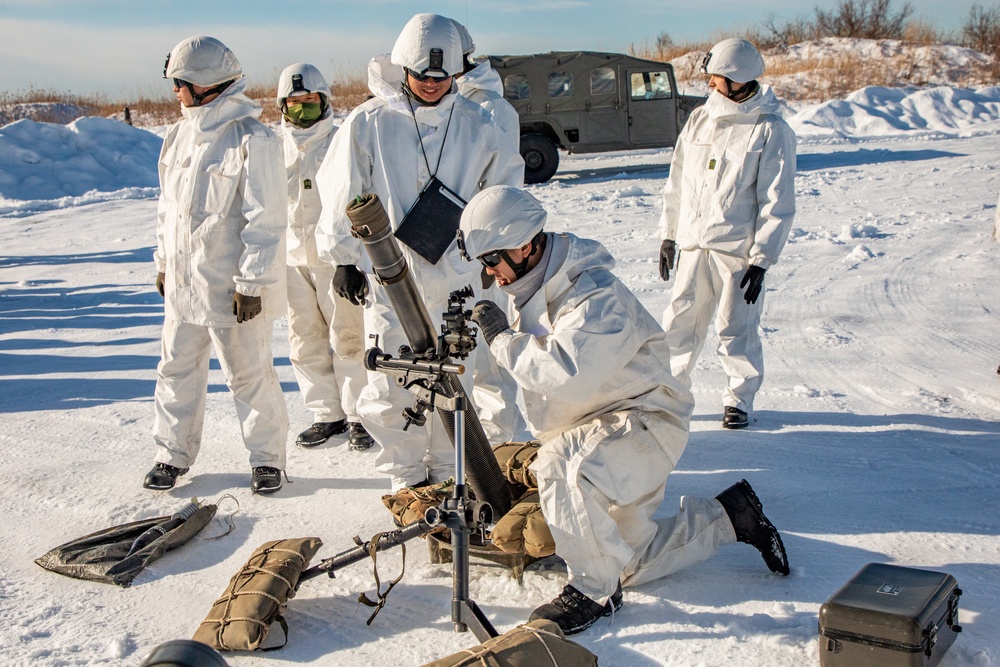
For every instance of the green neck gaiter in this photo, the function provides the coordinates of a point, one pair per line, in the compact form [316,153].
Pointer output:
[304,115]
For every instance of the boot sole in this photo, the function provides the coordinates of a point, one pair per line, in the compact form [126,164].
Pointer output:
[157,488]
[776,543]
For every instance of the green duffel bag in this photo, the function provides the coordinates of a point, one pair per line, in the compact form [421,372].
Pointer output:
[523,528]
[536,644]
[241,618]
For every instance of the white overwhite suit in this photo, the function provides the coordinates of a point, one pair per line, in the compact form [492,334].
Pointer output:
[729,204]
[220,229]
[612,421]
[325,331]
[378,150]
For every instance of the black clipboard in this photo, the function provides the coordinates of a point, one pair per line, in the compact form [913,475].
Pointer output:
[429,227]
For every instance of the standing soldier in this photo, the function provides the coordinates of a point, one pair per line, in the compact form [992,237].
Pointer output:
[219,251]
[415,133]
[728,205]
[325,331]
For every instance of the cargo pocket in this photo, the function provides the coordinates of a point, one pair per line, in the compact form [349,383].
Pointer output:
[223,179]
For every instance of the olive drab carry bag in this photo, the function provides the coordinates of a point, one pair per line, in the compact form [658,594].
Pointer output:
[118,554]
[536,644]
[523,528]
[256,595]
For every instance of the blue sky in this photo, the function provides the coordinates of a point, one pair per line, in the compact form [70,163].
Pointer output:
[117,47]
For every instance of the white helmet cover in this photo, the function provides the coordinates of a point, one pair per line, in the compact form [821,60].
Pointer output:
[736,59]
[501,217]
[423,34]
[468,46]
[203,61]
[301,79]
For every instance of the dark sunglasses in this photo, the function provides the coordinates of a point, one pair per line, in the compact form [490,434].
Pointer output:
[179,83]
[426,77]
[491,259]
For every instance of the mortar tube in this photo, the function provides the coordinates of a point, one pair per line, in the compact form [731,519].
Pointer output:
[371,224]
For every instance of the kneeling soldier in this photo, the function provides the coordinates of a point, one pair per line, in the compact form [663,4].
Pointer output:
[593,367]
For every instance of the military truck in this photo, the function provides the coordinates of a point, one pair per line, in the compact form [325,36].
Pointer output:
[588,102]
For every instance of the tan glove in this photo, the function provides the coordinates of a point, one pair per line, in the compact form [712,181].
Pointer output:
[160,287]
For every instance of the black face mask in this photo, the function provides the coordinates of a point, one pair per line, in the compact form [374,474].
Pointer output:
[744,93]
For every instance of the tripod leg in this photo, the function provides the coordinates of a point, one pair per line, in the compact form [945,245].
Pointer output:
[472,617]
[465,613]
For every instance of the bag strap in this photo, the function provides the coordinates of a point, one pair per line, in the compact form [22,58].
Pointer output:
[421,139]
[284,628]
[364,599]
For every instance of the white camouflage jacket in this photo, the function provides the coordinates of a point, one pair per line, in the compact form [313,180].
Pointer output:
[221,213]
[377,150]
[584,346]
[304,150]
[732,180]
[484,86]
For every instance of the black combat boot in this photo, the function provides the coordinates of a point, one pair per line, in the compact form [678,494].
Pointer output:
[320,432]
[574,612]
[265,479]
[359,438]
[163,476]
[752,527]
[734,418]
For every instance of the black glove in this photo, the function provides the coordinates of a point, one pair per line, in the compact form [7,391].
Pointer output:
[490,318]
[160,277]
[350,283]
[753,280]
[668,250]
[245,308]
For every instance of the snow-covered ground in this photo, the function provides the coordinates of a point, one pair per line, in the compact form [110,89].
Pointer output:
[877,432]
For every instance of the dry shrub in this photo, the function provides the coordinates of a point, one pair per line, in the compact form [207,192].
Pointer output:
[923,34]
[888,63]
[152,109]
[664,49]
[348,92]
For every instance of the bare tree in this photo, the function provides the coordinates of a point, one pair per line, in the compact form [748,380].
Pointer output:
[981,30]
[772,34]
[866,19]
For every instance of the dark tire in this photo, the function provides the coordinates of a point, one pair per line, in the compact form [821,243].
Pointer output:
[541,157]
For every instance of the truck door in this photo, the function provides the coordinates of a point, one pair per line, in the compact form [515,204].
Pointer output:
[603,120]
[652,108]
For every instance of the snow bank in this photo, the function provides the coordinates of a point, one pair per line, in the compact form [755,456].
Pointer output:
[875,111]
[46,161]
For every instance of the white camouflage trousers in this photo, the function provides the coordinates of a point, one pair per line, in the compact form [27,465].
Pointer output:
[326,340]
[244,353]
[599,485]
[707,284]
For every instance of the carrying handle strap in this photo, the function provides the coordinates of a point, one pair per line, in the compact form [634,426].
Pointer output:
[421,139]
[364,599]
[228,518]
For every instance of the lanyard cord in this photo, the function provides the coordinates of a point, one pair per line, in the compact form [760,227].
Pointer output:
[447,126]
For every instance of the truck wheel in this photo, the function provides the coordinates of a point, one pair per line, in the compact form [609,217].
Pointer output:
[541,157]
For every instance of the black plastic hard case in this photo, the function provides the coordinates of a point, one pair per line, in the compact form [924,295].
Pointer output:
[889,616]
